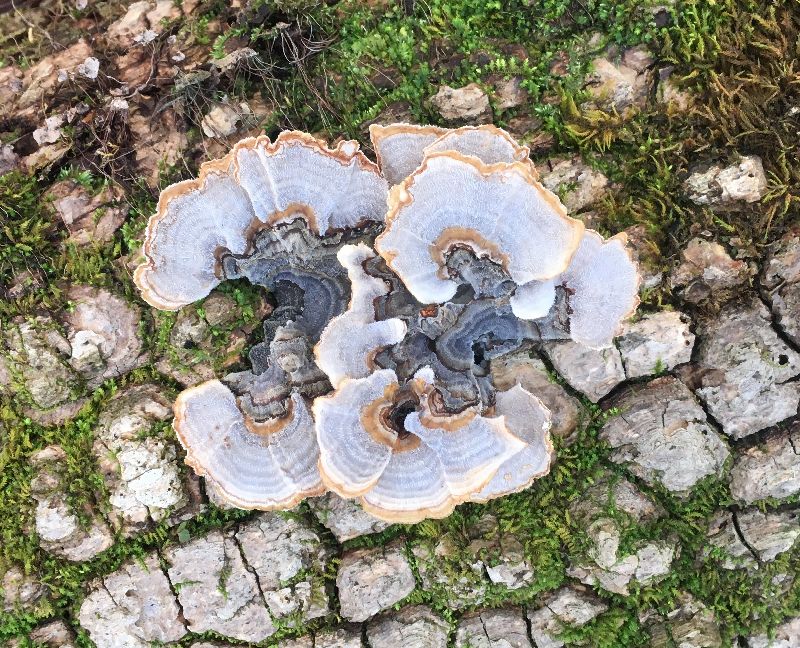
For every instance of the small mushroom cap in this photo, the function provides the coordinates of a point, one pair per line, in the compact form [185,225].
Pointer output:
[351,458]
[500,211]
[440,463]
[401,147]
[605,281]
[350,340]
[263,466]
[195,218]
[534,299]
[528,418]
[257,183]
[298,175]
[487,143]
[445,469]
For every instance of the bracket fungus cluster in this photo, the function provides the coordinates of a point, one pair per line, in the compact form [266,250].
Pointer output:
[396,285]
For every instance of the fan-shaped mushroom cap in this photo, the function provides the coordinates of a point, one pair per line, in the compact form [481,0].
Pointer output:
[487,143]
[499,211]
[442,471]
[528,418]
[258,182]
[351,458]
[434,464]
[195,218]
[605,281]
[270,465]
[401,147]
[299,176]
[534,299]
[347,344]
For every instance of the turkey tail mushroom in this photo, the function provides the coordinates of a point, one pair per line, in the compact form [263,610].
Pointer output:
[256,465]
[347,345]
[487,143]
[528,418]
[499,211]
[391,400]
[257,184]
[383,442]
[401,147]
[603,280]
[534,299]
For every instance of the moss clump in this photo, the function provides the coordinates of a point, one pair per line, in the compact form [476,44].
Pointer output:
[28,238]
[389,56]
[732,57]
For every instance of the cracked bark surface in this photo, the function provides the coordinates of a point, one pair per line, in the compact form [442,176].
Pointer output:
[345,518]
[141,472]
[781,282]
[606,564]
[690,625]
[215,589]
[771,469]
[463,580]
[222,582]
[371,580]
[786,635]
[750,538]
[593,372]
[749,374]
[347,637]
[656,342]
[416,626]
[288,560]
[502,628]
[569,606]
[133,607]
[769,534]
[742,535]
[663,436]
[512,569]
[60,530]
[707,271]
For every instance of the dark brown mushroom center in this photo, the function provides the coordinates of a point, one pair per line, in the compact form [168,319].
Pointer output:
[394,417]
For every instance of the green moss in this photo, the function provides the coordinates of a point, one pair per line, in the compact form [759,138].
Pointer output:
[613,629]
[382,55]
[85,178]
[28,235]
